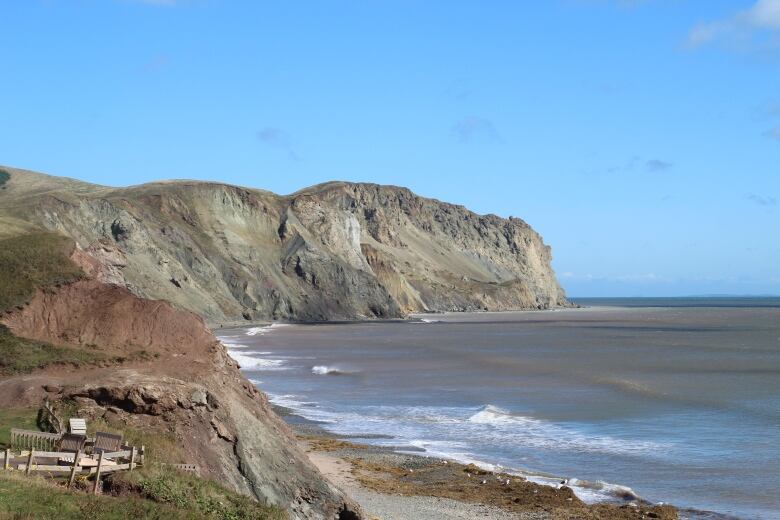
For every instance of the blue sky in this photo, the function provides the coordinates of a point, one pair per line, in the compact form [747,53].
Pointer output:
[640,138]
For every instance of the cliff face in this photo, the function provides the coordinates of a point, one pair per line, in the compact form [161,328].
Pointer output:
[185,385]
[334,251]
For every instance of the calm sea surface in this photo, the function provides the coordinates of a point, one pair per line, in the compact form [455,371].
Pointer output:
[676,399]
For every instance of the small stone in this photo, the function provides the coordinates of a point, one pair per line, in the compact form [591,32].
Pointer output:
[199,398]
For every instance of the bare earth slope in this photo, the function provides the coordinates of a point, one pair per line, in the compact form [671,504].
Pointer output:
[333,251]
[185,384]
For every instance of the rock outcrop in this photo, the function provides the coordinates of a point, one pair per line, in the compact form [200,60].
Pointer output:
[333,251]
[184,385]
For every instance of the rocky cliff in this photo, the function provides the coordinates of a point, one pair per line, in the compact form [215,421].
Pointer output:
[333,251]
[165,373]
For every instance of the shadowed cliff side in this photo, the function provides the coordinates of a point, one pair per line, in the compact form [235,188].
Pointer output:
[333,251]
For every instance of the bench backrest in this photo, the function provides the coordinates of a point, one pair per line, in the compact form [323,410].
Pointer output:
[107,442]
[71,442]
[78,426]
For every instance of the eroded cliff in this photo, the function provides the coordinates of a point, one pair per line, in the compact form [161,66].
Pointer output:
[333,251]
[163,371]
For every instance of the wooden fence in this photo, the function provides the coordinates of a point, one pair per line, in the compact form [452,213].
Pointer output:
[38,456]
[26,439]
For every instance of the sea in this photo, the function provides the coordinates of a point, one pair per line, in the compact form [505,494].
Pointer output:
[666,400]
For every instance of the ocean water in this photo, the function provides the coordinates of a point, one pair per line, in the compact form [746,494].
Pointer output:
[674,400]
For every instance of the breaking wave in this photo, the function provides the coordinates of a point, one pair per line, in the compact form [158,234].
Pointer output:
[249,361]
[324,370]
[536,433]
[259,331]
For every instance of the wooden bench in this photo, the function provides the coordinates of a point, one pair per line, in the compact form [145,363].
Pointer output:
[78,426]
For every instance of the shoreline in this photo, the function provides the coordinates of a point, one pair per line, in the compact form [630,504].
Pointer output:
[399,456]
[394,485]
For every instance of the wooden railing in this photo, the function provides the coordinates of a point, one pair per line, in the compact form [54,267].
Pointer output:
[59,463]
[26,439]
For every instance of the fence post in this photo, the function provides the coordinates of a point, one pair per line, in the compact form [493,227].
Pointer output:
[30,461]
[97,474]
[132,458]
[7,460]
[73,470]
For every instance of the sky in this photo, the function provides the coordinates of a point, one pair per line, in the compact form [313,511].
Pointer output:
[641,138]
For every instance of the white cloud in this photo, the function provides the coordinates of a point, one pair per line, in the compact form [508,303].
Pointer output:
[762,17]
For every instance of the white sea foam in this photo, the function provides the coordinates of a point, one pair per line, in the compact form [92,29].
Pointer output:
[255,331]
[405,424]
[230,345]
[249,361]
[536,433]
[599,491]
[324,370]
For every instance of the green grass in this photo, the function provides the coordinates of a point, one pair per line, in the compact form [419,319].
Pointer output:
[160,446]
[145,493]
[32,497]
[24,418]
[29,262]
[182,490]
[21,356]
[152,492]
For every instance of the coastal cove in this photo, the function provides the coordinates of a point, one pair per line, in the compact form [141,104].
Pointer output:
[675,402]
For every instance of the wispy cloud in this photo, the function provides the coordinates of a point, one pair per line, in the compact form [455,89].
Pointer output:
[657,165]
[761,200]
[274,137]
[473,127]
[773,133]
[769,109]
[760,21]
[637,163]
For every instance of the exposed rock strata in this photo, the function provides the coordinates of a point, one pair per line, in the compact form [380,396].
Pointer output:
[334,251]
[187,385]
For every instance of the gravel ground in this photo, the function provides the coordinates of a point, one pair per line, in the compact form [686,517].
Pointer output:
[390,507]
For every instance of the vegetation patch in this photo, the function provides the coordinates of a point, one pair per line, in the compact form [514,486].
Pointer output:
[23,418]
[160,445]
[34,261]
[4,176]
[181,490]
[21,356]
[33,497]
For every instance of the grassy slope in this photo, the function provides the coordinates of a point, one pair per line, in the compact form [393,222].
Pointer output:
[24,418]
[21,356]
[25,497]
[29,262]
[161,494]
